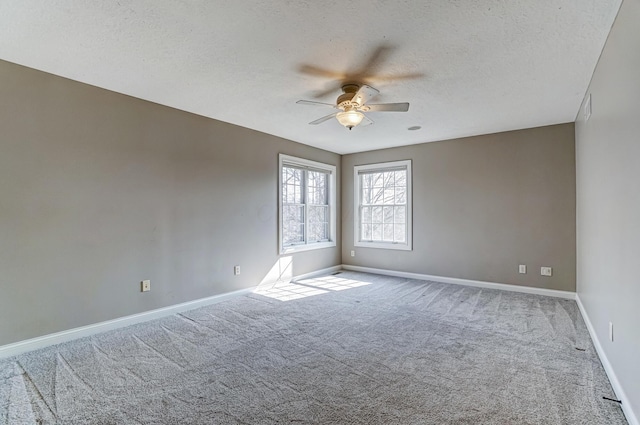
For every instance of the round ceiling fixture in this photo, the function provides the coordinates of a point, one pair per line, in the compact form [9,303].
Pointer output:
[414,128]
[350,118]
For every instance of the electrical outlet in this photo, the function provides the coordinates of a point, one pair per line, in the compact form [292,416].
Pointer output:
[522,269]
[353,253]
[145,286]
[546,271]
[236,270]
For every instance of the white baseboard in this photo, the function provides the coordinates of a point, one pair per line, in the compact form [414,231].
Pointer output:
[309,275]
[617,388]
[475,283]
[68,335]
[71,334]
[83,331]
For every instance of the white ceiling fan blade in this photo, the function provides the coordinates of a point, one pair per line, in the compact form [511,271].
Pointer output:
[312,103]
[364,94]
[387,107]
[323,119]
[365,121]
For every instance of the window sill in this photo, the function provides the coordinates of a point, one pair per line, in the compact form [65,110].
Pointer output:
[307,247]
[384,245]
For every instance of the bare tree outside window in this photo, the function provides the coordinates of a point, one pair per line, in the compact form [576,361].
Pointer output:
[306,204]
[293,211]
[318,206]
[383,204]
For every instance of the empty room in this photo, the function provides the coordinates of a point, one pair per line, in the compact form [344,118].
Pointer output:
[285,212]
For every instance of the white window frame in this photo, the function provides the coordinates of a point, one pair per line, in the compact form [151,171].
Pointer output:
[357,190]
[310,165]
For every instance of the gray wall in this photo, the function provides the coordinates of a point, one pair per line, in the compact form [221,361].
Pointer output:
[481,206]
[608,207]
[99,191]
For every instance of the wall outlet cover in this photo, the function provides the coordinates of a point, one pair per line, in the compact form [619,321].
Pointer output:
[546,271]
[522,269]
[145,286]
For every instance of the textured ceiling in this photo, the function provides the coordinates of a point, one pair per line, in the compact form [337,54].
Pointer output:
[466,66]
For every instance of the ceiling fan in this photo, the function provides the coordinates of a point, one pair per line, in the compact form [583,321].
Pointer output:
[351,106]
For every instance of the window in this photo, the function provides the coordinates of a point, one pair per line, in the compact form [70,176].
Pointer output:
[307,204]
[383,200]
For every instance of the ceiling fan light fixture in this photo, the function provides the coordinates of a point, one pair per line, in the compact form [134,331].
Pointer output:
[351,105]
[350,119]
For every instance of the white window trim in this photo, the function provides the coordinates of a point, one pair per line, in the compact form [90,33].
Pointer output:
[408,246]
[331,169]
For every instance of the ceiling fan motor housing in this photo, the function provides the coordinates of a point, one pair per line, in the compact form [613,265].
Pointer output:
[345,99]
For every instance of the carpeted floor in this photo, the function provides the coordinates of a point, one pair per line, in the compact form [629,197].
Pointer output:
[352,348]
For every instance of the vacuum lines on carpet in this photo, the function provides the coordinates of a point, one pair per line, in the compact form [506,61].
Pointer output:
[351,348]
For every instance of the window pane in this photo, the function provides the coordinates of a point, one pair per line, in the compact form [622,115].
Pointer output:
[292,224]
[401,195]
[365,196]
[376,215]
[366,215]
[383,188]
[388,196]
[376,195]
[318,223]
[299,195]
[317,187]
[377,180]
[317,214]
[400,214]
[366,181]
[376,232]
[321,196]
[400,233]
[291,196]
[388,178]
[313,215]
[387,214]
[311,195]
[315,233]
[292,234]
[292,185]
[366,232]
[387,235]
[293,213]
